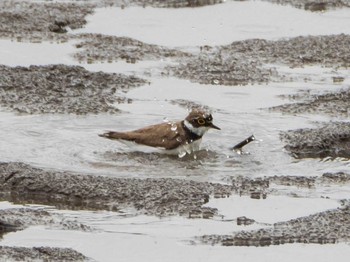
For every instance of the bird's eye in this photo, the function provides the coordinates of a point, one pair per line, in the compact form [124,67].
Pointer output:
[201,121]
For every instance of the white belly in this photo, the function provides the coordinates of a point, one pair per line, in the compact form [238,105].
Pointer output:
[181,151]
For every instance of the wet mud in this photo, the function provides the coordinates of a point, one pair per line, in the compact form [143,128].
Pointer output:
[20,218]
[332,104]
[38,21]
[40,254]
[62,89]
[313,5]
[16,219]
[327,140]
[245,62]
[327,227]
[95,48]
[21,183]
[261,188]
[41,20]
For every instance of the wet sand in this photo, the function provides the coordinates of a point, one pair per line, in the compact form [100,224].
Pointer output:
[64,89]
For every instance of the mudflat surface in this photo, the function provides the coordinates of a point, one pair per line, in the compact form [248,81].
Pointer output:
[163,197]
[61,90]
[24,183]
[244,62]
[40,254]
[328,140]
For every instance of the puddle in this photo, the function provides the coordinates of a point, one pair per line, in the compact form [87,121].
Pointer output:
[271,210]
[198,26]
[70,142]
[14,53]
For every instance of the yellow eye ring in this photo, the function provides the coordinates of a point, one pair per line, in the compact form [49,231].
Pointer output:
[201,121]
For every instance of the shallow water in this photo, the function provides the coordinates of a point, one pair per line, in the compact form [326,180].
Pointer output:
[232,21]
[126,237]
[69,142]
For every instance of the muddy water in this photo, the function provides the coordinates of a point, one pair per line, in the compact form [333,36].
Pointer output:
[232,21]
[69,142]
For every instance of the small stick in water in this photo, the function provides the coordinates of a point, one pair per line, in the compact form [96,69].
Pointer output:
[240,145]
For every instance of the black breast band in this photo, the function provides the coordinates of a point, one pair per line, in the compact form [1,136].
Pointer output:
[191,136]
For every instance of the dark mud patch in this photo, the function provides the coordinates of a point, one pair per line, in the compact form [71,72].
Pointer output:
[175,3]
[102,48]
[15,219]
[313,5]
[333,104]
[25,184]
[260,188]
[162,197]
[326,227]
[21,183]
[62,89]
[38,20]
[331,226]
[330,50]
[255,188]
[40,254]
[217,68]
[328,140]
[245,62]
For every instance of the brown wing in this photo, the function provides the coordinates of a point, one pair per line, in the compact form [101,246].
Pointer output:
[165,135]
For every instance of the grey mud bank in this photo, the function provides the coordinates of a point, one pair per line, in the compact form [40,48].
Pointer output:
[62,89]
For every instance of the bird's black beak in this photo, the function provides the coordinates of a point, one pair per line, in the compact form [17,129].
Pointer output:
[211,125]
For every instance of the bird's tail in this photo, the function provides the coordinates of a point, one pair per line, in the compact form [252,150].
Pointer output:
[112,135]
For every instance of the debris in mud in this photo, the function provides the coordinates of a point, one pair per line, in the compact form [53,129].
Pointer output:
[334,104]
[25,184]
[62,89]
[244,221]
[240,145]
[328,140]
[40,254]
[327,227]
[97,48]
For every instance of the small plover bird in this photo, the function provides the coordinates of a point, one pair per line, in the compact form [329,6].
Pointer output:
[181,138]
